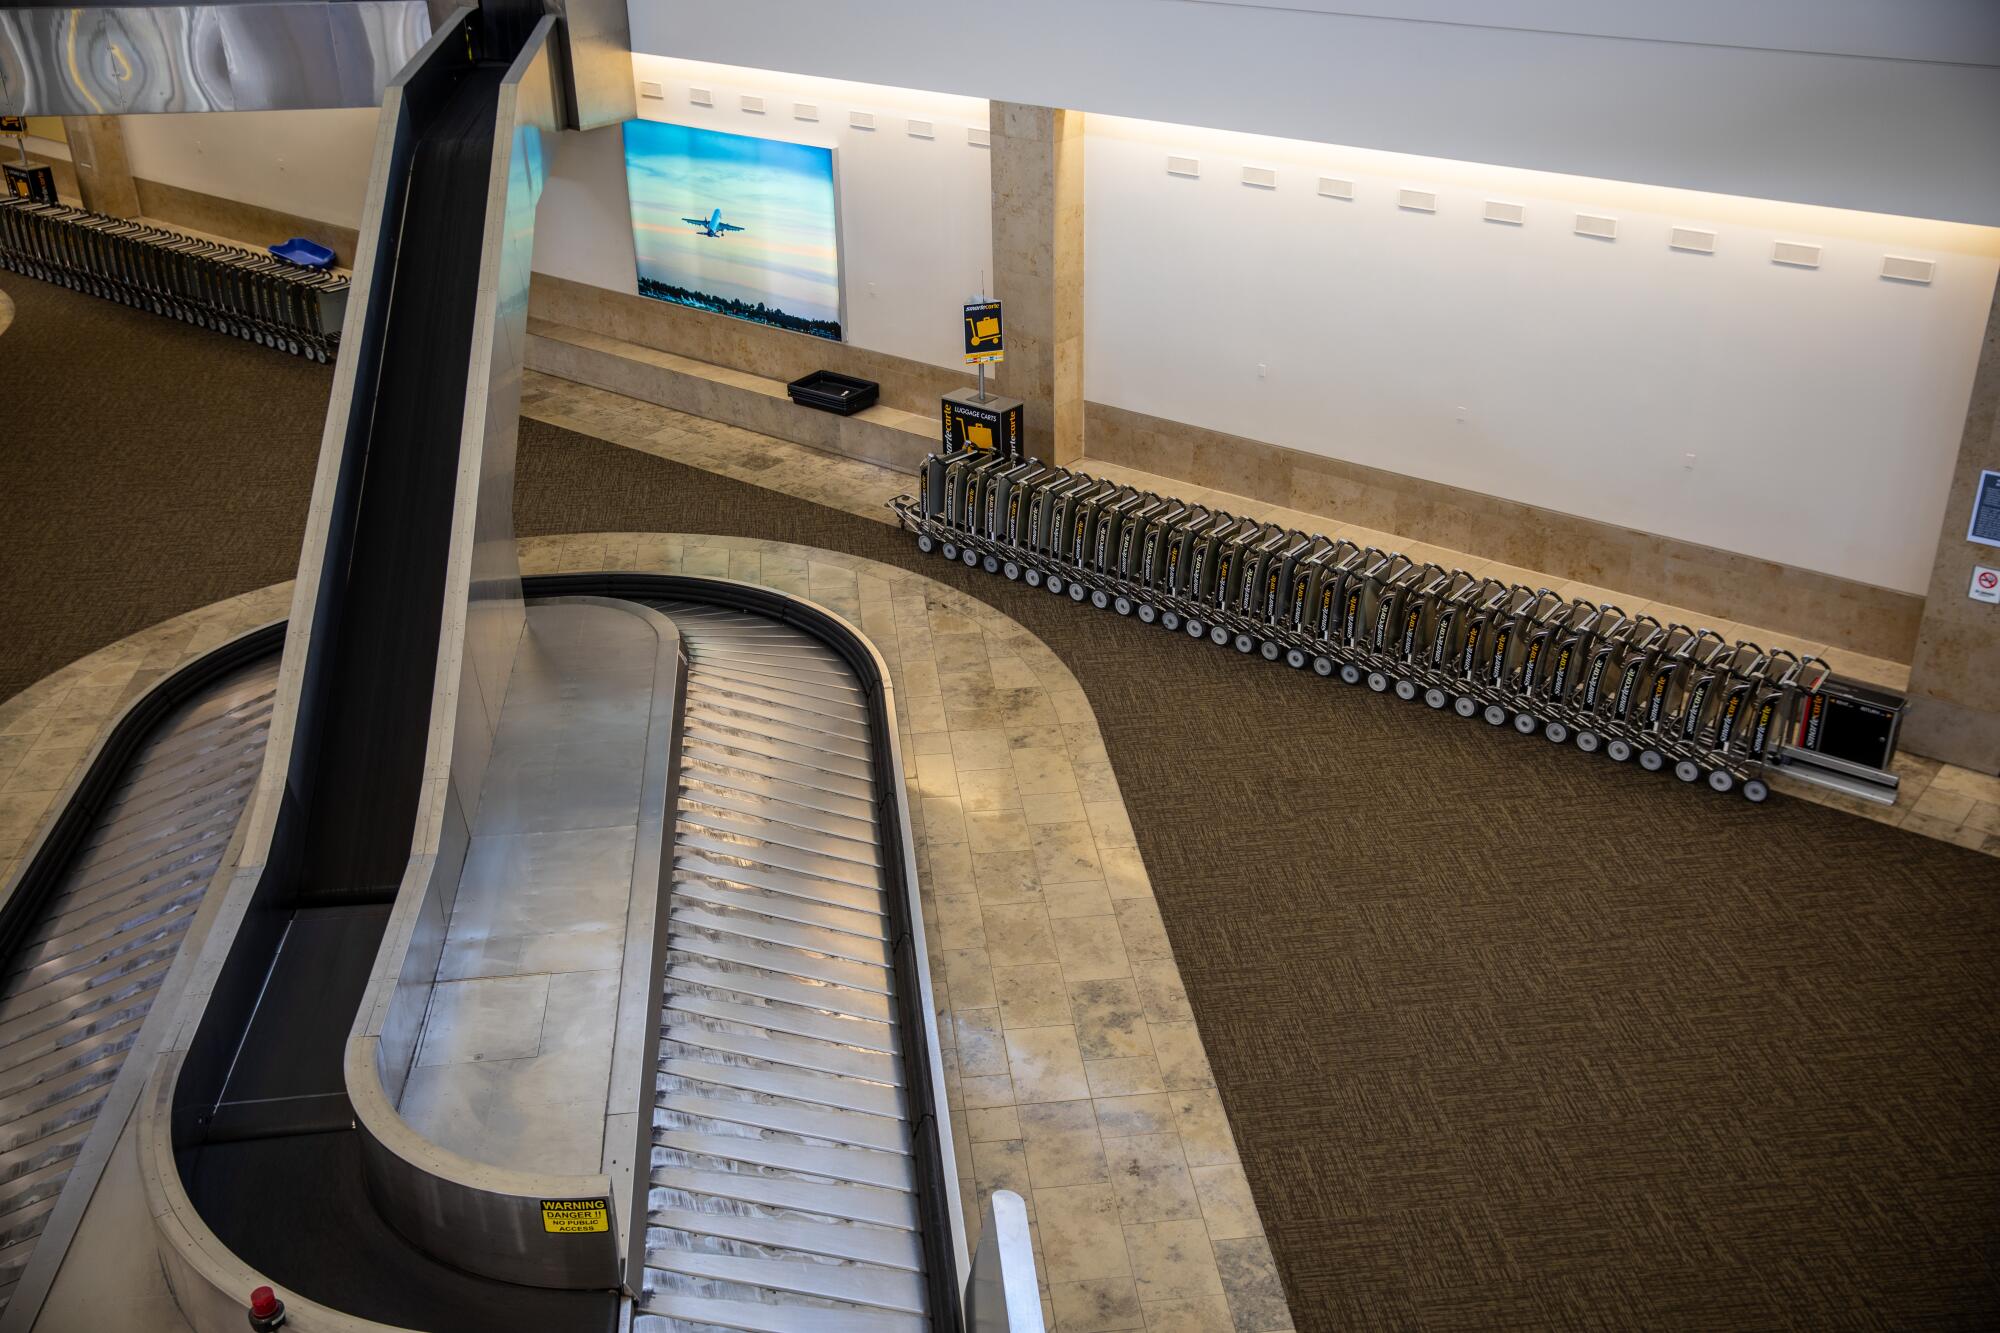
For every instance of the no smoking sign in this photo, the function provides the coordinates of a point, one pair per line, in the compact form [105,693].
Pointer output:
[1985,584]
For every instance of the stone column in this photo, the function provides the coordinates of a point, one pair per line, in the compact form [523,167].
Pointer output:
[103,176]
[1955,677]
[1038,269]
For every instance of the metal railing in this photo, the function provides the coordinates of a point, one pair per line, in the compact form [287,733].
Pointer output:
[1001,1296]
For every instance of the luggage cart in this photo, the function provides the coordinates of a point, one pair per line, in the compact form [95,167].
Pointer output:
[1574,670]
[231,289]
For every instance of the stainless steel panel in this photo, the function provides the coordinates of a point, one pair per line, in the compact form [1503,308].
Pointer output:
[841,1094]
[870,1245]
[860,899]
[872,1131]
[599,47]
[125,60]
[885,1208]
[1002,1296]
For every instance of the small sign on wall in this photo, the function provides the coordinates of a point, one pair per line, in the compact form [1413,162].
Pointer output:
[1985,525]
[1985,585]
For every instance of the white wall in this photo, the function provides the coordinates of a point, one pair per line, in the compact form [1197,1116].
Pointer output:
[1884,105]
[312,163]
[915,214]
[1823,407]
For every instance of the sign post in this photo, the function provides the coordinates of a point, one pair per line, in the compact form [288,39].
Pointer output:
[980,420]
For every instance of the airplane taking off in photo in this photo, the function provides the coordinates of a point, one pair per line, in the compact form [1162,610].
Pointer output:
[712,225]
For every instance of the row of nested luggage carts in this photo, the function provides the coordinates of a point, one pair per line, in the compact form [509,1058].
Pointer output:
[247,293]
[1628,686]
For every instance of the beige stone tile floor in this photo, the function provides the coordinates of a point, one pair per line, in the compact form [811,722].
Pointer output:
[1937,800]
[1073,1068]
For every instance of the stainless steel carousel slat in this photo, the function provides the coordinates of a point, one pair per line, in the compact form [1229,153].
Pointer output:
[79,988]
[782,1164]
[874,1245]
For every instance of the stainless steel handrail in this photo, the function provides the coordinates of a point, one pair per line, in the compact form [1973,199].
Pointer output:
[1001,1296]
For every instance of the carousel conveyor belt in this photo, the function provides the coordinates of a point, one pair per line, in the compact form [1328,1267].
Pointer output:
[793,1183]
[89,951]
[785,1182]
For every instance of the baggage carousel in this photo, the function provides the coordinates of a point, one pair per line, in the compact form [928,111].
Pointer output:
[476,952]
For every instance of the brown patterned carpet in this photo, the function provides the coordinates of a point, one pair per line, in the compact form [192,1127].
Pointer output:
[1510,1038]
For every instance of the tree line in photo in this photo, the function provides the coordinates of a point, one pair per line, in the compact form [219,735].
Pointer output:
[761,313]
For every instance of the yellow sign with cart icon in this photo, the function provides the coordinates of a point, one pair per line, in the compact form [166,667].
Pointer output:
[984,340]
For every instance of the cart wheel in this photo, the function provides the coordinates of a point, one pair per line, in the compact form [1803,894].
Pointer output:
[1527,723]
[1270,651]
[1053,583]
[1556,732]
[1588,741]
[1218,635]
[1196,630]
[1651,760]
[1322,666]
[1244,643]
[1077,592]
[1687,770]
[1406,690]
[1377,681]
[1148,613]
[950,550]
[1100,598]
[1294,659]
[970,557]
[1755,790]
[925,543]
[1011,570]
[1033,578]
[1435,697]
[1170,620]
[1722,780]
[1350,674]
[1465,706]
[1495,715]
[1122,605]
[991,564]
[1619,750]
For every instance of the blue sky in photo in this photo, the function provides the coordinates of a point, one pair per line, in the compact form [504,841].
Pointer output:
[782,194]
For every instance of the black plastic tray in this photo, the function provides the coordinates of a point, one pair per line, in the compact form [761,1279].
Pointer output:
[832,392]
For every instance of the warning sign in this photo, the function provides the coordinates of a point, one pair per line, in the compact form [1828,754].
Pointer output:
[570,1217]
[1985,585]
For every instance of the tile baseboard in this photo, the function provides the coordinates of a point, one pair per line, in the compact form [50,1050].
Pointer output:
[738,344]
[1813,606]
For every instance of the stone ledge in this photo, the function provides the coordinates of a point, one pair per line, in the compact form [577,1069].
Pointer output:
[880,434]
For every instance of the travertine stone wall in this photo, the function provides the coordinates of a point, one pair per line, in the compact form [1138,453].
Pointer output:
[103,174]
[1038,269]
[1954,698]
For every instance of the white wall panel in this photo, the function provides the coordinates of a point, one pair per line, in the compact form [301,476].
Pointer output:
[1882,105]
[312,163]
[1823,406]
